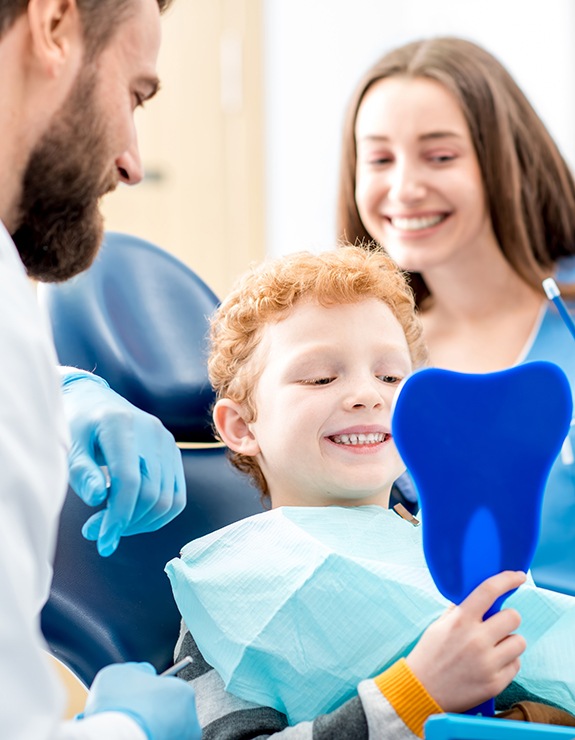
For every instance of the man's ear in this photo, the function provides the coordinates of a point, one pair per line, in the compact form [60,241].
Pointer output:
[233,428]
[56,34]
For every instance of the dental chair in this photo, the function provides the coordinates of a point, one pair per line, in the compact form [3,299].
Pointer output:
[138,318]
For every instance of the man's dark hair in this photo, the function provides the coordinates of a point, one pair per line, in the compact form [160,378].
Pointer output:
[99,18]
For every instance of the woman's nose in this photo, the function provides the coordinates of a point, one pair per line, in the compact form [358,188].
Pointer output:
[405,183]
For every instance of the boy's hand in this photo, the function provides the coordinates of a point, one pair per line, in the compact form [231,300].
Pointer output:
[462,660]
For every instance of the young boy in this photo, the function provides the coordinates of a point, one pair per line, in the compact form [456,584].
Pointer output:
[298,606]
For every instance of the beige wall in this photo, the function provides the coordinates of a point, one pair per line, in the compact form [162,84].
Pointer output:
[202,143]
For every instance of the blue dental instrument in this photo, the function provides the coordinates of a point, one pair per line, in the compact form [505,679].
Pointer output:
[554,294]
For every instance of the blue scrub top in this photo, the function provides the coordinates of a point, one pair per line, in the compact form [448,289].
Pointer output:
[554,563]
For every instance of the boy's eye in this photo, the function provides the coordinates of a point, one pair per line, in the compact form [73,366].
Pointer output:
[390,379]
[317,381]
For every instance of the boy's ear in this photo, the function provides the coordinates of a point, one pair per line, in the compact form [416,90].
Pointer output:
[56,33]
[233,428]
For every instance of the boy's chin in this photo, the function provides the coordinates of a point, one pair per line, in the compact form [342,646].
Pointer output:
[366,497]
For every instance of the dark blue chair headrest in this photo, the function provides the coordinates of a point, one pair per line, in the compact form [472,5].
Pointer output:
[138,318]
[121,608]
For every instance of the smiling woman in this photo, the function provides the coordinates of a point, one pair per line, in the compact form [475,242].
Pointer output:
[446,164]
[419,189]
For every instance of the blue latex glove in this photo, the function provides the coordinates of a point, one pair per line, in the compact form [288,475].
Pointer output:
[163,706]
[146,477]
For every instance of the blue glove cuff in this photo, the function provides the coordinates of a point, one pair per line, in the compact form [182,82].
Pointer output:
[69,375]
[132,715]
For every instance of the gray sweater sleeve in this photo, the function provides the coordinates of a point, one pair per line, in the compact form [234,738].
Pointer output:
[224,716]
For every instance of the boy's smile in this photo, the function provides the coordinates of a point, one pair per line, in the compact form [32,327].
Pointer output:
[323,400]
[361,439]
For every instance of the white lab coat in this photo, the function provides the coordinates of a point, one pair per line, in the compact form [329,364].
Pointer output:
[33,475]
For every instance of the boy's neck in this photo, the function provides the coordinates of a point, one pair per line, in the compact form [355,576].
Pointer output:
[277,500]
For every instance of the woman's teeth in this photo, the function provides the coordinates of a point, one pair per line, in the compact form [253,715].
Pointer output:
[415,224]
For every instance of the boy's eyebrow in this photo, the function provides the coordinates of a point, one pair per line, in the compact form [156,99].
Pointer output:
[317,353]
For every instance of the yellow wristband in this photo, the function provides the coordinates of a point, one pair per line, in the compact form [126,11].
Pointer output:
[407,695]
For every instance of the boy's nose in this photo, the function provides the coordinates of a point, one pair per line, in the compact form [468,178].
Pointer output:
[366,405]
[364,395]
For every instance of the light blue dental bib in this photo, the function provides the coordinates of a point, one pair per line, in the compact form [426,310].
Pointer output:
[295,606]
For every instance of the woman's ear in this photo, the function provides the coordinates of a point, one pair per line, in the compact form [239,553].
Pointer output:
[233,429]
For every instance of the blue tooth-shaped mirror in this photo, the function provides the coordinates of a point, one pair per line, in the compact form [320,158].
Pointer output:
[479,449]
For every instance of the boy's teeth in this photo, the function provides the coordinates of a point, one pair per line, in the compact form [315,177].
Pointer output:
[415,224]
[359,439]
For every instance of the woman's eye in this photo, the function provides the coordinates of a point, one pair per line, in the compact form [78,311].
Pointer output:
[379,160]
[442,158]
[372,157]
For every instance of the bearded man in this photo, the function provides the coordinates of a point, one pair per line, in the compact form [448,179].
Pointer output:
[73,73]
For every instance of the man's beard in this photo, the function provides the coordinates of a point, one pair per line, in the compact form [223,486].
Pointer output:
[60,227]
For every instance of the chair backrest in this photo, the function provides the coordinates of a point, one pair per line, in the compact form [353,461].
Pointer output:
[107,610]
[138,317]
